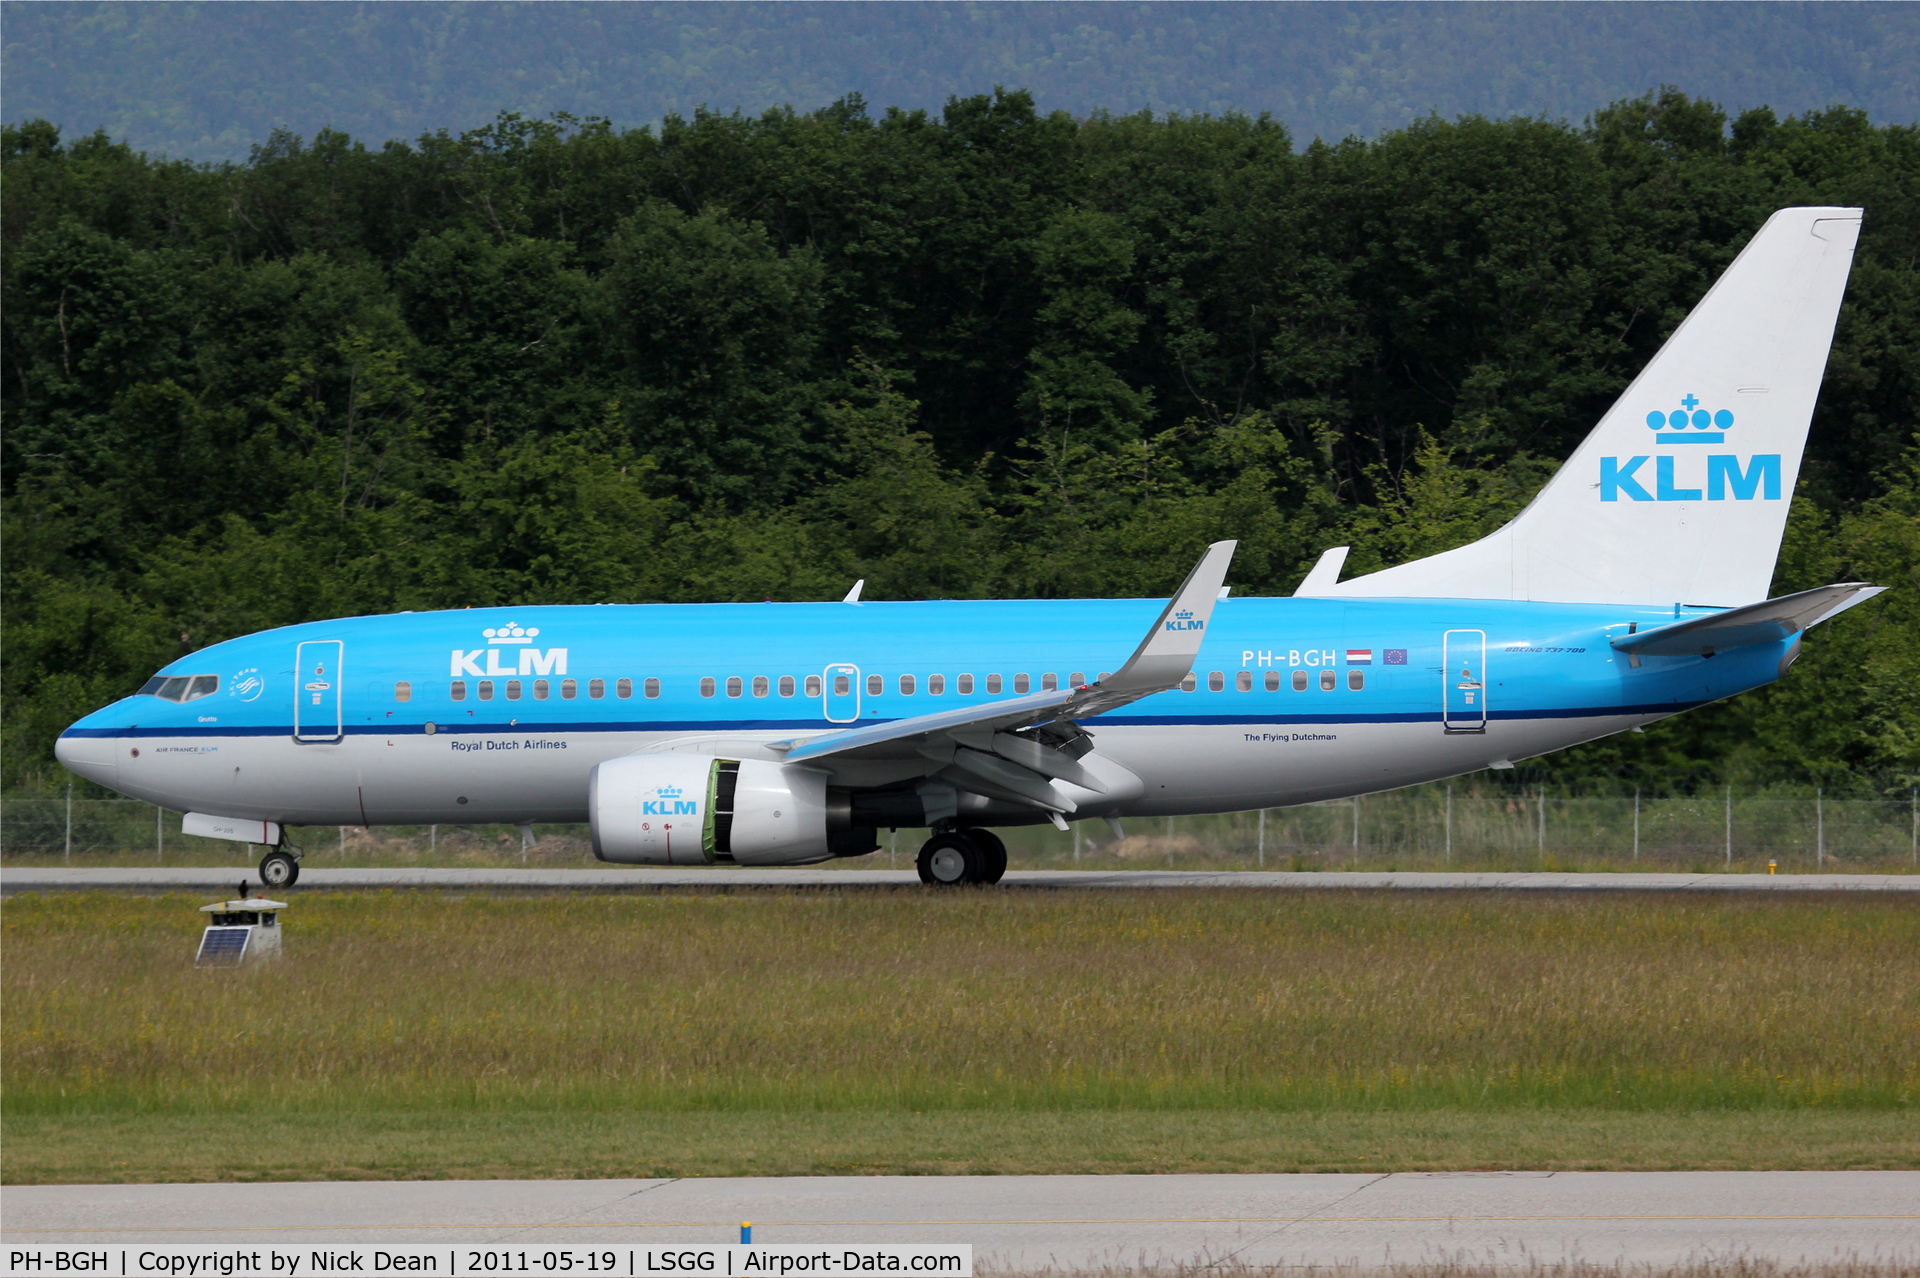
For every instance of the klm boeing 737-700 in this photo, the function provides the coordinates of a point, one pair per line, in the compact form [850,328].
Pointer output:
[1632,588]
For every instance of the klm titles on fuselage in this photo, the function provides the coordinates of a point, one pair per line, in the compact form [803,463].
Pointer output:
[532,661]
[1724,475]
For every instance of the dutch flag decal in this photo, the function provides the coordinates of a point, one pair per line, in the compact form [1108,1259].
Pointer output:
[1359,656]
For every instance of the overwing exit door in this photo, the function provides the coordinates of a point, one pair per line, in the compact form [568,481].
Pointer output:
[840,693]
[1465,680]
[316,691]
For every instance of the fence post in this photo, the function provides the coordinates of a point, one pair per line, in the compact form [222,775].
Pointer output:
[433,839]
[159,835]
[1263,838]
[1913,801]
[343,845]
[66,858]
[1820,827]
[1540,805]
[1449,853]
[1636,825]
[1729,827]
[1076,843]
[1356,829]
[1169,843]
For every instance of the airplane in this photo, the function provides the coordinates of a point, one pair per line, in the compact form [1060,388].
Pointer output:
[1632,588]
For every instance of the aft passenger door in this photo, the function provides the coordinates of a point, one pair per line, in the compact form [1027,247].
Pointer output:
[840,693]
[317,713]
[1465,681]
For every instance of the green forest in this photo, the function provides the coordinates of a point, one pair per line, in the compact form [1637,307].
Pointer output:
[987,351]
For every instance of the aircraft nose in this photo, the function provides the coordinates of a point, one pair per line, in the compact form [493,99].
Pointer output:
[95,758]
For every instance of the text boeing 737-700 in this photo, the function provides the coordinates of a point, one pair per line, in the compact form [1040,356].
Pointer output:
[1632,588]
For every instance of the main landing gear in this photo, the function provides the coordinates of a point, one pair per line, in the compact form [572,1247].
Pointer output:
[962,856]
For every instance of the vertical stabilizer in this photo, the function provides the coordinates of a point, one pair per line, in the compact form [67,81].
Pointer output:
[1680,494]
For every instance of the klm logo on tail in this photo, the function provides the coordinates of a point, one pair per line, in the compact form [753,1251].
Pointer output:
[1758,478]
[1184,620]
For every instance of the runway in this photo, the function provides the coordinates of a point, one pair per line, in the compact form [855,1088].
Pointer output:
[1017,1221]
[651,878]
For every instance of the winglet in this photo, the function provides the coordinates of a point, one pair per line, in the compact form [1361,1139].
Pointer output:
[1166,655]
[853,596]
[1325,574]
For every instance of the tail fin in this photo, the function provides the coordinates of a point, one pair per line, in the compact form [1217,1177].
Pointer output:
[1680,494]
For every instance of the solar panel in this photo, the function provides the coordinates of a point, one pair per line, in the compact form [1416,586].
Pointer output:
[223,946]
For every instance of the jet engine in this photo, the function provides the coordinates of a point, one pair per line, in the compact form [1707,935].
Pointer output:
[694,809]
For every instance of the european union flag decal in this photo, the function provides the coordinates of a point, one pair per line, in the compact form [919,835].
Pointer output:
[1396,657]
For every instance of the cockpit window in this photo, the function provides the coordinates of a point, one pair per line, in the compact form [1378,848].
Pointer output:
[180,687]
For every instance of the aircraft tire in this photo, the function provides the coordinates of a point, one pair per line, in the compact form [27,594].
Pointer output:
[279,870]
[993,855]
[949,860]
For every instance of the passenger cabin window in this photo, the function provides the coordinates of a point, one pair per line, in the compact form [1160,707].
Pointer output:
[1106,674]
[623,689]
[513,689]
[539,689]
[1299,681]
[993,684]
[734,686]
[1272,681]
[1356,679]
[569,689]
[596,688]
[459,689]
[813,685]
[1244,681]
[906,685]
[786,685]
[1049,682]
[1326,681]
[651,688]
[1021,683]
[403,691]
[1216,682]
[1076,680]
[964,685]
[760,686]
[936,685]
[875,685]
[707,686]
[1189,683]
[842,685]
[486,689]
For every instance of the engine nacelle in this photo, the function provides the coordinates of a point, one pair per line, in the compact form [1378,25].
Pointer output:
[694,809]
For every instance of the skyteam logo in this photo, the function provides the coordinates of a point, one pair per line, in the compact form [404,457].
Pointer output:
[532,660]
[1726,474]
[1183,620]
[669,803]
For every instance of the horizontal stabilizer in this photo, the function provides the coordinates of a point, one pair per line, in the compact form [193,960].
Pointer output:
[1768,622]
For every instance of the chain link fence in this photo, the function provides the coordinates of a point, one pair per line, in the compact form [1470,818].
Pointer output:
[1433,827]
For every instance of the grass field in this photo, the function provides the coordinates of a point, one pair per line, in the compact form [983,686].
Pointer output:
[772,1032]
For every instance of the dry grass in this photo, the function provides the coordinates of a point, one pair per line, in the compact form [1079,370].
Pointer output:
[995,1009]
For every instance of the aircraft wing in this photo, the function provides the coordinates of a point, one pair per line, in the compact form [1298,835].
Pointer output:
[1766,622]
[1163,659]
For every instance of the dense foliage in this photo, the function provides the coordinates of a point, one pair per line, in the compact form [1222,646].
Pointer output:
[992,352]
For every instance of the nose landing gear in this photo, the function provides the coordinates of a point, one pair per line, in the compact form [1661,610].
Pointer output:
[962,856]
[280,868]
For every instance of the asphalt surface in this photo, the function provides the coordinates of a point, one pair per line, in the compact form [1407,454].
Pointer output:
[643,878]
[1509,1218]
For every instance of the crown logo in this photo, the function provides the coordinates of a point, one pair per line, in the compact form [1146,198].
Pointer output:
[511,633]
[668,792]
[1690,423]
[1183,616]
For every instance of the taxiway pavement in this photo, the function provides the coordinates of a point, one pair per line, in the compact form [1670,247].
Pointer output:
[644,878]
[1066,1221]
